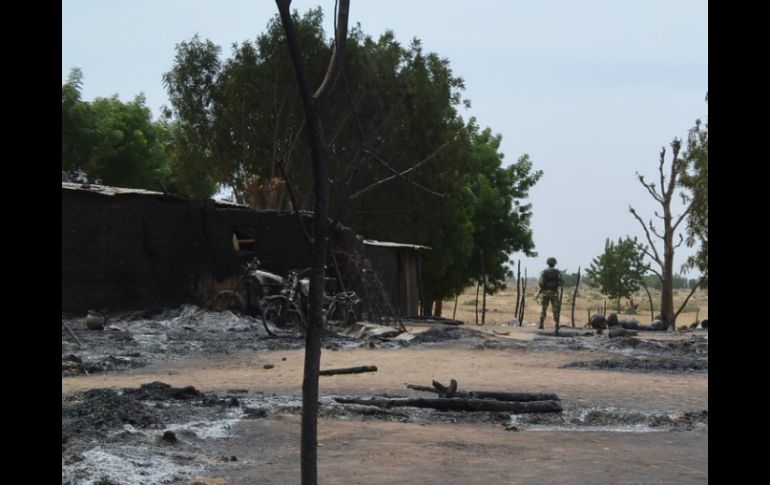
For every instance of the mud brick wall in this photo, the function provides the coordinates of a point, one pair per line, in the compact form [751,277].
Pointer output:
[137,251]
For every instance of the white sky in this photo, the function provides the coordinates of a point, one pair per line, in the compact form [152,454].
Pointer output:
[591,90]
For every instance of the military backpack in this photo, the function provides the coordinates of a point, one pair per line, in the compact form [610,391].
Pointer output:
[551,279]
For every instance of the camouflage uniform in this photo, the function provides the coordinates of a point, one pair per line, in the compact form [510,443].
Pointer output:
[549,296]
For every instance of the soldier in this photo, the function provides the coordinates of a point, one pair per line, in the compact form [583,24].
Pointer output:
[550,282]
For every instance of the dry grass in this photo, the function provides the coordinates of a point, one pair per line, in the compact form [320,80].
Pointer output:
[501,306]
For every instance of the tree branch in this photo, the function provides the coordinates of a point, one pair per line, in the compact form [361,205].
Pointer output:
[676,145]
[650,188]
[684,303]
[660,169]
[293,198]
[652,228]
[340,39]
[655,257]
[393,170]
[682,216]
[388,179]
[345,196]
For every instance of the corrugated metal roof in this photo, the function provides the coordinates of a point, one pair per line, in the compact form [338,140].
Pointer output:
[109,190]
[106,189]
[386,244]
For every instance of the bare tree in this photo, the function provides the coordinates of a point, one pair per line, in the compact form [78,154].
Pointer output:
[665,258]
[313,104]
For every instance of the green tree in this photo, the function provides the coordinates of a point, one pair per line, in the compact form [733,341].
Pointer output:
[694,178]
[77,127]
[111,142]
[618,271]
[242,117]
[570,279]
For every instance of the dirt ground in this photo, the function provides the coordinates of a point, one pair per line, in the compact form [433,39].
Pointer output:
[502,305]
[619,425]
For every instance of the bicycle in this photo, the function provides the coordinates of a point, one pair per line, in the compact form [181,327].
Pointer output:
[248,292]
[288,307]
[341,309]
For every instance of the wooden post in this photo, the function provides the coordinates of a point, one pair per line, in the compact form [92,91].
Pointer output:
[518,287]
[574,297]
[484,300]
[558,312]
[454,312]
[478,285]
[523,298]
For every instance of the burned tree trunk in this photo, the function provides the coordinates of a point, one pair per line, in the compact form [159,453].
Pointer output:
[348,370]
[457,404]
[311,103]
[497,395]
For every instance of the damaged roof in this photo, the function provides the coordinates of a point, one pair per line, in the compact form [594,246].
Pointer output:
[386,244]
[106,189]
[110,190]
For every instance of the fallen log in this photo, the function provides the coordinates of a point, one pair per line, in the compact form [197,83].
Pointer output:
[500,396]
[459,404]
[348,370]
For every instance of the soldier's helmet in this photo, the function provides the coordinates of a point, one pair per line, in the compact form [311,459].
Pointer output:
[551,261]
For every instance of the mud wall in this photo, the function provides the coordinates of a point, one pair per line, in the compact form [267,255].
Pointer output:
[398,269]
[136,251]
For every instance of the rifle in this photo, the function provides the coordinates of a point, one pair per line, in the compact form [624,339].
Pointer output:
[540,290]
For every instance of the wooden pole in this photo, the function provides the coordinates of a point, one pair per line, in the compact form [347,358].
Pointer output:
[518,288]
[484,300]
[574,297]
[558,312]
[523,298]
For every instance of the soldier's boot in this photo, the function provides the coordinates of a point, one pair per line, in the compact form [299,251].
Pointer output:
[541,324]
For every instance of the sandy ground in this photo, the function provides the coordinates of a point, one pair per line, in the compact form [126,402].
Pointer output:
[502,305]
[369,451]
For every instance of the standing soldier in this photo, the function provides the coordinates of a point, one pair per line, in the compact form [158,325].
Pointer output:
[550,282]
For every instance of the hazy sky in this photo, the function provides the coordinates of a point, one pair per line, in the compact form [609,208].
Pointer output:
[591,90]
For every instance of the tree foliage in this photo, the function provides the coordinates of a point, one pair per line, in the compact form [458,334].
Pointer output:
[694,178]
[570,279]
[677,282]
[618,271]
[394,106]
[110,142]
